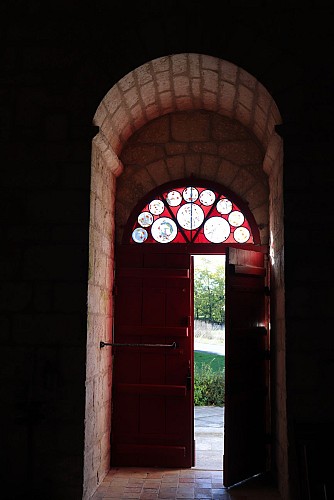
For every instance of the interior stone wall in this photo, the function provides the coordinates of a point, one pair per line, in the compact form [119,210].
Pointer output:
[279,437]
[99,323]
[58,61]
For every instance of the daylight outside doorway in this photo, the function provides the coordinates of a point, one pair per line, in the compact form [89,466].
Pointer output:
[209,356]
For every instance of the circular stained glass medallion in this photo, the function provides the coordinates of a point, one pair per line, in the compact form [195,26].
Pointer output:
[173,198]
[241,234]
[224,206]
[145,219]
[164,230]
[190,216]
[156,207]
[139,235]
[216,229]
[207,197]
[190,194]
[236,218]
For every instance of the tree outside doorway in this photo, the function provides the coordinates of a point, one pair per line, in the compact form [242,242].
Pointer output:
[209,330]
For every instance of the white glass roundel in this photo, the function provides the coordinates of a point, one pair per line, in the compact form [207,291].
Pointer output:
[216,229]
[164,230]
[139,235]
[241,234]
[173,198]
[190,194]
[156,207]
[145,219]
[207,197]
[224,206]
[190,216]
[236,218]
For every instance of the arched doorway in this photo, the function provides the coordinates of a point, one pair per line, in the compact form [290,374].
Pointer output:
[173,117]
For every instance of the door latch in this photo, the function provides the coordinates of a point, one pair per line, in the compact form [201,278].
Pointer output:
[188,382]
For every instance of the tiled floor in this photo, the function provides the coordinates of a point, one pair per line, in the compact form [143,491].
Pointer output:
[145,484]
[204,481]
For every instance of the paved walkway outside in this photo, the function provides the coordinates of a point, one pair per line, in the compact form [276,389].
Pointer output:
[207,347]
[209,437]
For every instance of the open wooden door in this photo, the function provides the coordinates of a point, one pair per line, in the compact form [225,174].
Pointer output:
[246,338]
[152,393]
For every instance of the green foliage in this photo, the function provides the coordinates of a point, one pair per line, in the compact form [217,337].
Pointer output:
[216,361]
[209,383]
[209,293]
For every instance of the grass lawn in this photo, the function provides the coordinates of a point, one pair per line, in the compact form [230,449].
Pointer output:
[216,361]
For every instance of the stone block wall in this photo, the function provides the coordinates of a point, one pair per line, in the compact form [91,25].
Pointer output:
[279,437]
[99,325]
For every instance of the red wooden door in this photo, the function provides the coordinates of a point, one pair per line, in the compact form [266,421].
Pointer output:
[246,341]
[152,394]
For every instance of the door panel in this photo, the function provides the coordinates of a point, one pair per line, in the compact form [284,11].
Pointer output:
[152,417]
[245,367]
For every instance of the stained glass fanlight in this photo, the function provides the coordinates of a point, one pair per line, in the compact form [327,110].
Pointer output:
[191,214]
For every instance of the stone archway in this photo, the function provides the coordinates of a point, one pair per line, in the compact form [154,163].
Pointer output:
[190,113]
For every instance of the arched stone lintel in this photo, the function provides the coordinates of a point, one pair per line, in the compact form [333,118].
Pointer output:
[181,82]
